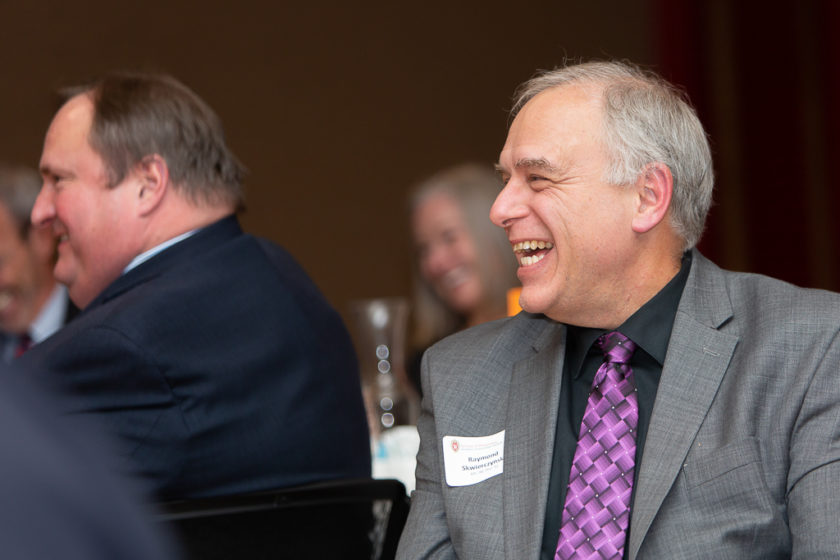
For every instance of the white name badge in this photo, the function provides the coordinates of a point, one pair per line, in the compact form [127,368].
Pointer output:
[469,460]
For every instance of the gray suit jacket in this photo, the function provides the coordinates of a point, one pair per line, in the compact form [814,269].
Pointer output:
[742,456]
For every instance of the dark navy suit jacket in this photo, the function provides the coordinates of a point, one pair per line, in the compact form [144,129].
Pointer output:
[59,498]
[219,366]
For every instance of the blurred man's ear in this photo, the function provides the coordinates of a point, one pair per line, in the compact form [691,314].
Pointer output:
[152,174]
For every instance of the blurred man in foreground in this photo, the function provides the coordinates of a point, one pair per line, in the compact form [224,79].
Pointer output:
[59,499]
[646,404]
[208,352]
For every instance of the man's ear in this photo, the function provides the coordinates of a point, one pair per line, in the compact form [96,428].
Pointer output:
[152,175]
[654,189]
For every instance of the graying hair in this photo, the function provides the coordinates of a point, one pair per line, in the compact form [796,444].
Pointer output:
[646,120]
[19,187]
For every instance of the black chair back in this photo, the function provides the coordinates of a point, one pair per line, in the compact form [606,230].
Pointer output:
[358,518]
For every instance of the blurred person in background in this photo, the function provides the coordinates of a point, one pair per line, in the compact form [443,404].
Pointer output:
[463,267]
[32,304]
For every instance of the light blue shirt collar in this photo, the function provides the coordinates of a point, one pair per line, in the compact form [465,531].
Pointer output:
[143,257]
[52,315]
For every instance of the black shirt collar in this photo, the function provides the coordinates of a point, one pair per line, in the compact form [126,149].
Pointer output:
[649,327]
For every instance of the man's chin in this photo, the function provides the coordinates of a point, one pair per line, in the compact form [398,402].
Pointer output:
[530,301]
[12,321]
[62,273]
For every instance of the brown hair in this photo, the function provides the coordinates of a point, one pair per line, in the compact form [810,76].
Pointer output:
[137,115]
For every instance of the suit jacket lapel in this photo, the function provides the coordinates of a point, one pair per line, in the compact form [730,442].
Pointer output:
[697,358]
[529,441]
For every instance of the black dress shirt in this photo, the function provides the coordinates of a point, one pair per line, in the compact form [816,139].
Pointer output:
[650,328]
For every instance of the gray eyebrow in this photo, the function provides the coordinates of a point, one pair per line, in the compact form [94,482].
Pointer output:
[531,163]
[536,163]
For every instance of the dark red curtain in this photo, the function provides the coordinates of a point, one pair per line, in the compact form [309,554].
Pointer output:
[765,83]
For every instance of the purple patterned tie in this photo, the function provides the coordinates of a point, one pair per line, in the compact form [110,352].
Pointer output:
[597,510]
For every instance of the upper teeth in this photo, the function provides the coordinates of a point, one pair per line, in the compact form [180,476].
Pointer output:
[532,245]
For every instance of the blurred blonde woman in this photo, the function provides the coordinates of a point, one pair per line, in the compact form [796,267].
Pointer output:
[464,265]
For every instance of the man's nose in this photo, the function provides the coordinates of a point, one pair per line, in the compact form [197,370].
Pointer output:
[43,211]
[509,205]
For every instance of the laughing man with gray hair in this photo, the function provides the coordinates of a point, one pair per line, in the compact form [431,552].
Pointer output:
[645,404]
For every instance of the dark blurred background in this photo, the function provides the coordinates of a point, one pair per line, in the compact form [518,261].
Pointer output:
[339,108]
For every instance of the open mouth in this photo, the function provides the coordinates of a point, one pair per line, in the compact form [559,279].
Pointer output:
[455,277]
[531,252]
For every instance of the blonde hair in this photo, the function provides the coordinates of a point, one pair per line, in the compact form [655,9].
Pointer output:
[473,188]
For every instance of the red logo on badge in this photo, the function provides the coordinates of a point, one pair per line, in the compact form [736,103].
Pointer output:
[455,445]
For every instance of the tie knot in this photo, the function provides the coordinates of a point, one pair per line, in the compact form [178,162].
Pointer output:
[616,347]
